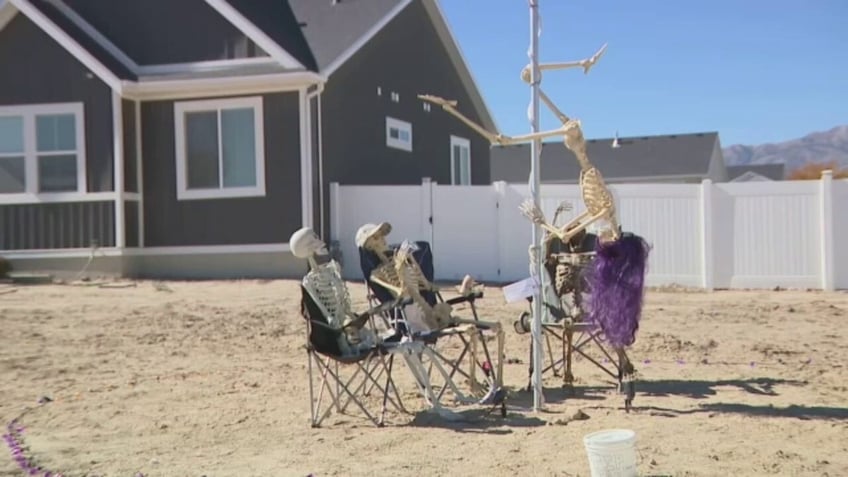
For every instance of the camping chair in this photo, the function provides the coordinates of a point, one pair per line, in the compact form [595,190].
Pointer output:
[564,292]
[324,351]
[381,291]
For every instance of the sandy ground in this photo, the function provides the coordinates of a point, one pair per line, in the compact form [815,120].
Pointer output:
[209,378]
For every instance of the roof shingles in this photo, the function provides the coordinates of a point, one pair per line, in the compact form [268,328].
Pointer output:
[652,156]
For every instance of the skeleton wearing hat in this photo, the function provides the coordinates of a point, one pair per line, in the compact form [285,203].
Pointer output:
[401,274]
[324,283]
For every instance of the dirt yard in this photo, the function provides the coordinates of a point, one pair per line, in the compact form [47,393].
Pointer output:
[209,379]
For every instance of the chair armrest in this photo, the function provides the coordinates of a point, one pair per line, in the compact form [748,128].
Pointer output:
[465,298]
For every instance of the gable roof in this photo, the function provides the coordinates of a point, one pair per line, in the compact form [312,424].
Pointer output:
[303,36]
[337,29]
[649,157]
[772,171]
[112,65]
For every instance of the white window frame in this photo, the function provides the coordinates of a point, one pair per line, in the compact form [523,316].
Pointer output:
[464,143]
[180,108]
[28,112]
[394,123]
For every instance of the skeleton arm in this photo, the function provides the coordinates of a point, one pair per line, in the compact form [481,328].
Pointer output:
[586,64]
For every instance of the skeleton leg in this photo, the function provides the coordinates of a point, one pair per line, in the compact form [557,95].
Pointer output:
[561,233]
[566,236]
[450,107]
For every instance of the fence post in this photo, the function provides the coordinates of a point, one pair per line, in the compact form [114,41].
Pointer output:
[335,213]
[707,236]
[828,272]
[500,195]
[427,211]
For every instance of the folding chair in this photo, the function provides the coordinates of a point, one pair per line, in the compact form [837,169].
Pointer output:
[324,351]
[381,291]
[564,281]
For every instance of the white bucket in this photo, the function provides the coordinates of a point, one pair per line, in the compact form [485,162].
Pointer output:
[611,453]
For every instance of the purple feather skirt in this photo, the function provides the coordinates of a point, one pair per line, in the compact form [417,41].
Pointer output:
[616,282]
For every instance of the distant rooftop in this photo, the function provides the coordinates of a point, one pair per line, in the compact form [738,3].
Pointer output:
[671,155]
[775,172]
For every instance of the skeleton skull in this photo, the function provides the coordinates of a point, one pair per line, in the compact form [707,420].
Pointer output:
[305,243]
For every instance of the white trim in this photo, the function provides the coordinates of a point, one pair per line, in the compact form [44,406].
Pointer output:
[88,29]
[212,249]
[402,126]
[31,154]
[362,40]
[18,199]
[305,159]
[118,158]
[254,33]
[149,251]
[68,43]
[463,143]
[210,87]
[7,13]
[180,108]
[139,177]
[131,196]
[203,66]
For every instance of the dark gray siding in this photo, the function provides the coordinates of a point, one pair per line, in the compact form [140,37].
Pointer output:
[57,225]
[408,58]
[38,70]
[131,223]
[166,31]
[130,164]
[252,220]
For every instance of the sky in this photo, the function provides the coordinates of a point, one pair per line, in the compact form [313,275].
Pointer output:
[755,71]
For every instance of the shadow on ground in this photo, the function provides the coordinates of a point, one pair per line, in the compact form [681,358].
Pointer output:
[804,413]
[480,420]
[702,389]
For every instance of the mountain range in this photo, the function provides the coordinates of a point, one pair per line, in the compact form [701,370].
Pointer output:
[819,147]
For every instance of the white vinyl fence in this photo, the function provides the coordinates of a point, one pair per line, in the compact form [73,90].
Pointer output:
[792,234]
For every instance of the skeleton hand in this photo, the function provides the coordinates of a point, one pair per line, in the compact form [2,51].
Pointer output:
[438,100]
[530,210]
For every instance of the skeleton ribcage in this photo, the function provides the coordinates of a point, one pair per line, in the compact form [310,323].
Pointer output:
[596,195]
[329,290]
[397,279]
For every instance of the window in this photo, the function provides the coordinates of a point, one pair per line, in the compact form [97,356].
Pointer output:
[398,134]
[460,161]
[42,149]
[220,148]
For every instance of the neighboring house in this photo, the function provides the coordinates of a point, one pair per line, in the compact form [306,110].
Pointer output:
[756,172]
[680,158]
[191,138]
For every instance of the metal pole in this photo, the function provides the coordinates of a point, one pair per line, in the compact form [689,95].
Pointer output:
[535,149]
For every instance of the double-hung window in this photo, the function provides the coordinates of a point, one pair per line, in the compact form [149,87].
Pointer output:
[219,148]
[42,149]
[460,161]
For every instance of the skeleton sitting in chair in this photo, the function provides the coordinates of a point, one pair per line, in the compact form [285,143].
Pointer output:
[401,275]
[325,285]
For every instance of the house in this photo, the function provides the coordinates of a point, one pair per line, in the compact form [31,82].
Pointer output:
[680,158]
[191,138]
[756,172]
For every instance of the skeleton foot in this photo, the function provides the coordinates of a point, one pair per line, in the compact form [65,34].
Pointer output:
[438,100]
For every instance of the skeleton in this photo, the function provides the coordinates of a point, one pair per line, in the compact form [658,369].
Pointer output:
[401,274]
[598,199]
[600,204]
[324,283]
